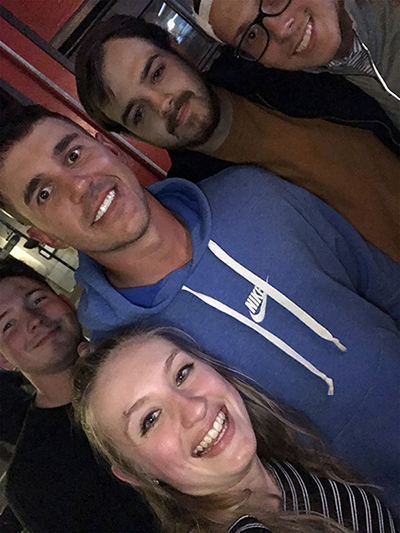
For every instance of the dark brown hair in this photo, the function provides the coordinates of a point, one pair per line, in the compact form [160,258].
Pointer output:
[14,127]
[13,268]
[91,87]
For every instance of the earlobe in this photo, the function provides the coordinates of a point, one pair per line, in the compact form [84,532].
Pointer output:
[45,238]
[131,480]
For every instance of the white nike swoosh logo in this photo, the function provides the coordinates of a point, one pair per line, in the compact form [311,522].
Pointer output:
[260,315]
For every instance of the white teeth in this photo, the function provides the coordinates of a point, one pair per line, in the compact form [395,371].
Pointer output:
[213,436]
[105,205]
[306,39]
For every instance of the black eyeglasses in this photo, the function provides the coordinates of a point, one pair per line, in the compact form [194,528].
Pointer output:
[255,40]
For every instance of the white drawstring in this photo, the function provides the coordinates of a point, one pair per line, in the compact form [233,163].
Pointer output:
[265,333]
[377,73]
[280,298]
[283,300]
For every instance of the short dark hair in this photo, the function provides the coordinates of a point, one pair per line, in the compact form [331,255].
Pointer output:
[89,61]
[15,126]
[13,268]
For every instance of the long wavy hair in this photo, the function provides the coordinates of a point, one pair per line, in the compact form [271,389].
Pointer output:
[281,434]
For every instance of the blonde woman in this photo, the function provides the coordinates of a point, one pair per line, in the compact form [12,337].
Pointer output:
[205,448]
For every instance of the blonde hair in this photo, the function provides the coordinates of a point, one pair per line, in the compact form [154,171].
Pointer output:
[278,431]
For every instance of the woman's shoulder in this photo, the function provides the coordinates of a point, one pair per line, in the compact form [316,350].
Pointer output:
[248,524]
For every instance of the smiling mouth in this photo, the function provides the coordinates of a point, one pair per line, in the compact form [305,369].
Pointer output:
[45,338]
[179,113]
[105,205]
[306,38]
[213,436]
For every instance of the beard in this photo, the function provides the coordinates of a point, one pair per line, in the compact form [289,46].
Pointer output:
[197,129]
[64,343]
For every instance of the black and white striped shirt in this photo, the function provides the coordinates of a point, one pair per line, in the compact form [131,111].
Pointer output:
[351,506]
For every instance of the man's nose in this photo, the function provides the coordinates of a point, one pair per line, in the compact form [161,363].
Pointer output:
[34,322]
[164,104]
[78,185]
[280,28]
[192,409]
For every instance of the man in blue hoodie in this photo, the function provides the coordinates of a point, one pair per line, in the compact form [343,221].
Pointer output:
[263,274]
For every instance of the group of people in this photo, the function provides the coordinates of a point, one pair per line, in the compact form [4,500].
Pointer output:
[243,367]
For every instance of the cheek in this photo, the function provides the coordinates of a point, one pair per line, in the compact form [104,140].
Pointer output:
[162,455]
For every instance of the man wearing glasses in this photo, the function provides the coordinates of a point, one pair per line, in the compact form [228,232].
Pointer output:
[359,40]
[141,86]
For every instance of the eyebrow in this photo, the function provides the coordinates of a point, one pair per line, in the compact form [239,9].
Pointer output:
[31,188]
[138,404]
[26,296]
[143,76]
[242,28]
[32,291]
[33,184]
[128,108]
[147,67]
[64,143]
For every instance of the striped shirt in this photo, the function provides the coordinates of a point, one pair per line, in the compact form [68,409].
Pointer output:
[358,60]
[351,506]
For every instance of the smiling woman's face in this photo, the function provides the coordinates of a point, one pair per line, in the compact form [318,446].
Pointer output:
[306,35]
[175,416]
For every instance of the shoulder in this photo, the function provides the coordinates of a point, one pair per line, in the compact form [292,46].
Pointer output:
[252,188]
[248,524]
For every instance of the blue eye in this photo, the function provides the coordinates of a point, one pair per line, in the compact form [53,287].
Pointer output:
[183,373]
[149,421]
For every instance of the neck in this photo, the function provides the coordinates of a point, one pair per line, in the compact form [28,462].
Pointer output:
[166,246]
[224,125]
[53,390]
[264,489]
[347,33]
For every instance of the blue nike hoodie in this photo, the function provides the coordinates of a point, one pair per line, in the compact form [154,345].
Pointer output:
[282,289]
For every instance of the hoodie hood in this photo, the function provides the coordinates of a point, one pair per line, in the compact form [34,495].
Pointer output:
[102,307]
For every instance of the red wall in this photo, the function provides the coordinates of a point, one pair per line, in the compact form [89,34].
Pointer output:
[39,92]
[44,17]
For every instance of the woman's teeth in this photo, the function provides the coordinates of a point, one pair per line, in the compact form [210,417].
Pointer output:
[213,436]
[105,205]
[305,40]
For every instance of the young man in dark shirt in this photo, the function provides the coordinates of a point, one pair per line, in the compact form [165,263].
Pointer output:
[55,483]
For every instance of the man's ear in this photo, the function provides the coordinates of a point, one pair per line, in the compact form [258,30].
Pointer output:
[102,139]
[6,365]
[45,238]
[124,477]
[83,349]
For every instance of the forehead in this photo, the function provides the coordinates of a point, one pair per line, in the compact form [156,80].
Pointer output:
[13,290]
[229,18]
[124,60]
[32,152]
[32,155]
[128,369]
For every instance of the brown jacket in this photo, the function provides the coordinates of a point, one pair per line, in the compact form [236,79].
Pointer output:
[348,168]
